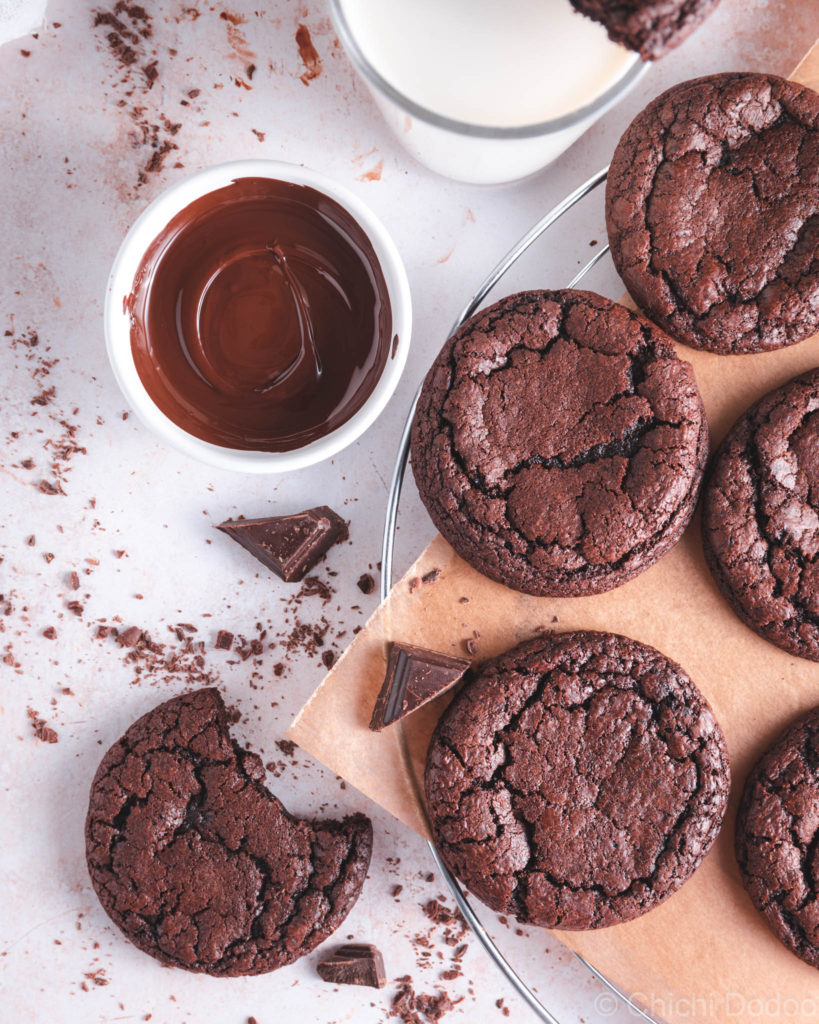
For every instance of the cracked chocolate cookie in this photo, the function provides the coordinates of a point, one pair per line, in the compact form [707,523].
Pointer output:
[760,517]
[651,27]
[559,443]
[198,863]
[712,210]
[577,781]
[776,834]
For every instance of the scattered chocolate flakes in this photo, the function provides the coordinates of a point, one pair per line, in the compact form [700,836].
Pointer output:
[366,584]
[50,633]
[127,32]
[329,658]
[413,1008]
[42,731]
[74,581]
[48,556]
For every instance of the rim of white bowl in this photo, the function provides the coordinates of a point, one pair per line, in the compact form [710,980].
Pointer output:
[117,323]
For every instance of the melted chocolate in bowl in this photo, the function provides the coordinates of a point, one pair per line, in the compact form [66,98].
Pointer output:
[260,318]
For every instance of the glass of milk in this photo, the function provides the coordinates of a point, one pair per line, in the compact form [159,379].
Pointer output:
[484,91]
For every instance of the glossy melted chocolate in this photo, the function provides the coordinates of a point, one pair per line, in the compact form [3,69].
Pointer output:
[260,316]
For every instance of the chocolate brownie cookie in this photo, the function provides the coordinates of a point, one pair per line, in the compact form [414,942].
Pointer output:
[577,781]
[776,835]
[712,209]
[198,864]
[761,517]
[651,27]
[559,443]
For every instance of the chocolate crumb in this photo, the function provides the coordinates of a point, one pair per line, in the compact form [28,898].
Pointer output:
[224,640]
[366,584]
[129,637]
[74,581]
[42,731]
[50,633]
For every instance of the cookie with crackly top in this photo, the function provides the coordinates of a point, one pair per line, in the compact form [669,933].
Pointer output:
[650,27]
[559,443]
[776,832]
[198,863]
[577,781]
[761,517]
[712,211]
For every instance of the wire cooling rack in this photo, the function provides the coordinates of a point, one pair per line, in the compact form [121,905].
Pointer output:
[393,502]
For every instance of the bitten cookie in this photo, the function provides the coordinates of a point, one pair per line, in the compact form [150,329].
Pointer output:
[559,443]
[776,835]
[198,864]
[761,517]
[651,27]
[712,210]
[577,781]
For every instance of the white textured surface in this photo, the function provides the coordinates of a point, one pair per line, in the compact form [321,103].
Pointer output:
[70,157]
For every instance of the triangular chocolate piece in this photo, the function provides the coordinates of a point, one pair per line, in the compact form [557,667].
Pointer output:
[354,964]
[289,545]
[414,677]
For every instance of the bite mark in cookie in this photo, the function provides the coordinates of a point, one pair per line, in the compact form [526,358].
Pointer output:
[198,863]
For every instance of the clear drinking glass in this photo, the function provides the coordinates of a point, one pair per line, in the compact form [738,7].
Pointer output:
[479,153]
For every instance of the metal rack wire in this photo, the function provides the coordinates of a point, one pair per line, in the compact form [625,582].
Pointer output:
[393,501]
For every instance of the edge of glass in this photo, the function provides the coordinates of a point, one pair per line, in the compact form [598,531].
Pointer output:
[597,106]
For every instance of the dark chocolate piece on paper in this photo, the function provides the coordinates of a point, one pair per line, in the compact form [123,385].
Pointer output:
[289,545]
[414,677]
[354,964]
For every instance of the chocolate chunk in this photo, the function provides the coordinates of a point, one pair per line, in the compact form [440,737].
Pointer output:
[366,584]
[289,545]
[198,863]
[224,640]
[414,677]
[354,964]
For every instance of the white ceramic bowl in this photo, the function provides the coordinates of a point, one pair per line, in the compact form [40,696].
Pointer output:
[152,222]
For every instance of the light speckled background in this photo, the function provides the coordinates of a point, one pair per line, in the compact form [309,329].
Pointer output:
[69,162]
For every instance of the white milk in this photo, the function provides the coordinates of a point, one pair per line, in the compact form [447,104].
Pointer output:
[498,65]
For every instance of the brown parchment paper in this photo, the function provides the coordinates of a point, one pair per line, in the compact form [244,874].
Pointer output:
[705,954]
